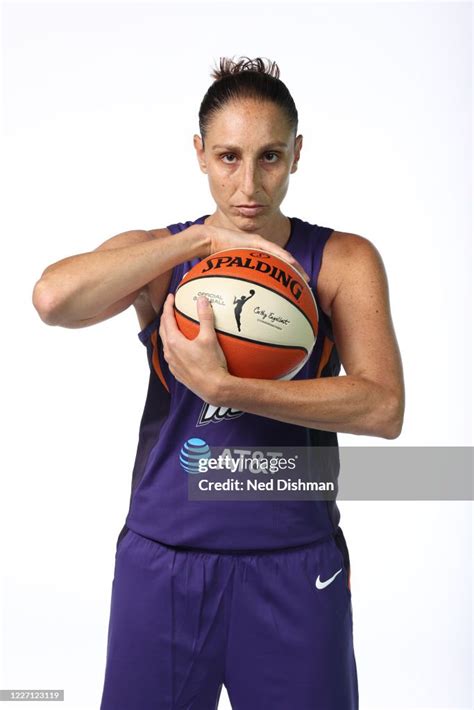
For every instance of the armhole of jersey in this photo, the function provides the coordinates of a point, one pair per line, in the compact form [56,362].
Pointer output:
[320,249]
[324,319]
[176,276]
[144,335]
[326,324]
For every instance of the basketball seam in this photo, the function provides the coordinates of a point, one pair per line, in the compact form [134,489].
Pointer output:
[248,340]
[254,283]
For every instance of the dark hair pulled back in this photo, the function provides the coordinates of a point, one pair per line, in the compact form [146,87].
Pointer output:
[245,79]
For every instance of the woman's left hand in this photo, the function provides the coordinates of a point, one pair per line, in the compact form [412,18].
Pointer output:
[199,364]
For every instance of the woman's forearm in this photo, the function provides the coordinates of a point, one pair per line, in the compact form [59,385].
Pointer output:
[80,286]
[353,405]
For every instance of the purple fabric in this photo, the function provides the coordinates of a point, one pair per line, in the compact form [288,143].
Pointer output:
[183,623]
[159,506]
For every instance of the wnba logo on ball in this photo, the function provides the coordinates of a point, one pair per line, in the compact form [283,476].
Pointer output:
[192,452]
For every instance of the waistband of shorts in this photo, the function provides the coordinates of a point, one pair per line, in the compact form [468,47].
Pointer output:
[248,551]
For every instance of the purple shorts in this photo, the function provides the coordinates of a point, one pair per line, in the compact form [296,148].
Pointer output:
[274,627]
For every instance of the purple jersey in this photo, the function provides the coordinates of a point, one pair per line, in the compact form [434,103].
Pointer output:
[173,414]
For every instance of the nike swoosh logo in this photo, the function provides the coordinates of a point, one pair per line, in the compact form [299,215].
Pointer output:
[321,585]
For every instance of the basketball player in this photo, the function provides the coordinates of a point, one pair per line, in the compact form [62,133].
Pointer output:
[239,304]
[255,594]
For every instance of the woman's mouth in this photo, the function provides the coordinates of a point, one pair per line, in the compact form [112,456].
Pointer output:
[250,211]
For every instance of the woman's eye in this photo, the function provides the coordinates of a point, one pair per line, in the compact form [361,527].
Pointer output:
[227,155]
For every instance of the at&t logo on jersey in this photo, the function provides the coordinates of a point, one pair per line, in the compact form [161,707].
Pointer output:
[192,451]
[195,457]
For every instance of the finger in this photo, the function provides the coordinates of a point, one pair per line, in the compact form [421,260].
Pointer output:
[164,318]
[205,315]
[294,263]
[168,311]
[162,328]
[299,268]
[286,256]
[168,320]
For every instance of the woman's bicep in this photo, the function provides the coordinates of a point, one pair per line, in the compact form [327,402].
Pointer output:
[361,319]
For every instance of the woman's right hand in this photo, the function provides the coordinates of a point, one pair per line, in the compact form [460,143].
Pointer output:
[221,238]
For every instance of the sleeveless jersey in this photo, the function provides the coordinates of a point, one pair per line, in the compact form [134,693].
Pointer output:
[159,506]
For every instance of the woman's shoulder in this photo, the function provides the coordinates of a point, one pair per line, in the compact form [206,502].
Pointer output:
[343,251]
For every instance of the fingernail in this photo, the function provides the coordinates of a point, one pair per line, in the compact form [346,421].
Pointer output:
[203,301]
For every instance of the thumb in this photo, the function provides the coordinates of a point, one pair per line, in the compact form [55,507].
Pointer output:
[206,315]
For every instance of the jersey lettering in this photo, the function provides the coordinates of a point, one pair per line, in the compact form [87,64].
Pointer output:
[211,414]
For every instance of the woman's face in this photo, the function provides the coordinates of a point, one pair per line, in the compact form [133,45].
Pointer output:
[248,157]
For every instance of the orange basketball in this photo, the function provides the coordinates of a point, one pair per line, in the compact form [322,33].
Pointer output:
[265,314]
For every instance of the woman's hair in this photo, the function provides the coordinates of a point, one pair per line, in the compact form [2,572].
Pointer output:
[246,78]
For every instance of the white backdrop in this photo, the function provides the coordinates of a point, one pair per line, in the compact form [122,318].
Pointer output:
[100,103]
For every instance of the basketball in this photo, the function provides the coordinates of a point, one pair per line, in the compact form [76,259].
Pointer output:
[265,314]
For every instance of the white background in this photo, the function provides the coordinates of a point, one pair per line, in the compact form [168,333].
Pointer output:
[100,103]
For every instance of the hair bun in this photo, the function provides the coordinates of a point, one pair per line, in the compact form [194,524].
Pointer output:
[228,67]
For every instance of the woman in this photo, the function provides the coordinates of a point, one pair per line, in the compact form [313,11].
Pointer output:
[251,594]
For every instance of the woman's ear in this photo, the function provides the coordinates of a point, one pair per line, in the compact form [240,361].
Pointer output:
[198,145]
[298,146]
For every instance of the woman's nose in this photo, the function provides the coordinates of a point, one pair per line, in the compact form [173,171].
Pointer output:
[250,179]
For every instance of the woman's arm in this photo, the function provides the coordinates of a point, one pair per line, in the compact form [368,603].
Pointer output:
[88,288]
[99,284]
[368,400]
